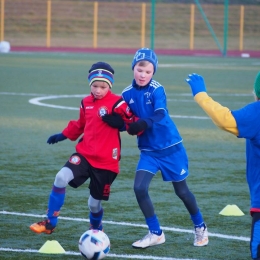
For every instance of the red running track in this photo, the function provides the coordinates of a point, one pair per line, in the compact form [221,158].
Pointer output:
[208,53]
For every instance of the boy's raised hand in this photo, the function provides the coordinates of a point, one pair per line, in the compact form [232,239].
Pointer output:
[196,83]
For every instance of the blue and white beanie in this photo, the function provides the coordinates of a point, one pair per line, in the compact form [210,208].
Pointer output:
[145,54]
[101,71]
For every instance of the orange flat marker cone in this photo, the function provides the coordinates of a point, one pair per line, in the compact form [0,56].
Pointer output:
[231,210]
[52,247]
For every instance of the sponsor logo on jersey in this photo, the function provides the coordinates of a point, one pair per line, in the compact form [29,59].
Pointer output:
[74,159]
[131,101]
[182,172]
[90,107]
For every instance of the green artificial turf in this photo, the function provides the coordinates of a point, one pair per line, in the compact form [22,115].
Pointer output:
[29,164]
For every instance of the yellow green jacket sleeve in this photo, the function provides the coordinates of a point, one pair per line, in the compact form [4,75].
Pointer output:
[220,115]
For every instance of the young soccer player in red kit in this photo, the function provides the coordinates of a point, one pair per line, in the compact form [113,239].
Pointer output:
[97,151]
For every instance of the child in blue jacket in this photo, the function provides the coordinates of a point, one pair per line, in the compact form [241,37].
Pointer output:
[161,149]
[243,123]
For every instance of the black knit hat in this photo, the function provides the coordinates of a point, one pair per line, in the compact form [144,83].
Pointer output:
[103,66]
[101,71]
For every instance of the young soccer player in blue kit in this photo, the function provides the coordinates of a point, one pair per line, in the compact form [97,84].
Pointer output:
[243,123]
[161,149]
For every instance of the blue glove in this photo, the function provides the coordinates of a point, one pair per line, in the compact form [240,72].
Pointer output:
[56,138]
[196,83]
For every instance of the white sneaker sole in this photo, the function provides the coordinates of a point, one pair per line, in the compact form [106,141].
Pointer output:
[204,243]
[159,241]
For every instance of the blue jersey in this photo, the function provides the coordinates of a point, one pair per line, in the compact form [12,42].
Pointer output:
[144,102]
[248,124]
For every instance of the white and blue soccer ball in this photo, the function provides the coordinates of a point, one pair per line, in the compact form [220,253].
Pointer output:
[94,244]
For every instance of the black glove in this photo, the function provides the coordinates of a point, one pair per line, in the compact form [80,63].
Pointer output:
[56,138]
[114,120]
[137,127]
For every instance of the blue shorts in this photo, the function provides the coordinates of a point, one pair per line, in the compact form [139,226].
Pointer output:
[173,167]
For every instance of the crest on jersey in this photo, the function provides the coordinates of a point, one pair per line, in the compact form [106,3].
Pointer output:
[147,94]
[102,111]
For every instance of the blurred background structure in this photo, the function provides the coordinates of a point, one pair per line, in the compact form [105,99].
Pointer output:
[169,25]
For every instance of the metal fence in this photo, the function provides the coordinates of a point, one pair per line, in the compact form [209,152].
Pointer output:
[126,24]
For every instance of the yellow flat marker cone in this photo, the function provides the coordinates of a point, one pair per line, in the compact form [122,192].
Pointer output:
[231,210]
[52,247]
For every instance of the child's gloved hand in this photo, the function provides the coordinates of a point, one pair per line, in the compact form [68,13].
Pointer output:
[114,120]
[196,83]
[56,138]
[137,127]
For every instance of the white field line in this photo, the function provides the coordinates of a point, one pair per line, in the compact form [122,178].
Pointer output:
[169,94]
[201,66]
[115,223]
[108,255]
[38,101]
[77,253]
[240,238]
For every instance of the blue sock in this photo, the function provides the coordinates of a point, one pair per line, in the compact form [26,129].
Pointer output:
[95,219]
[56,200]
[154,225]
[197,220]
[255,240]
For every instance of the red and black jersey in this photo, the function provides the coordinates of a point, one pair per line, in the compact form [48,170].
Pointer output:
[100,144]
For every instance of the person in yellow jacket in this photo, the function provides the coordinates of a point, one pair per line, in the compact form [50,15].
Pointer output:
[243,123]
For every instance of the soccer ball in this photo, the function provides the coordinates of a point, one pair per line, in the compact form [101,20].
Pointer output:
[94,244]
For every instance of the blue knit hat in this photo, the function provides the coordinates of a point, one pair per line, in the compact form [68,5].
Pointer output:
[101,71]
[145,54]
[257,85]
